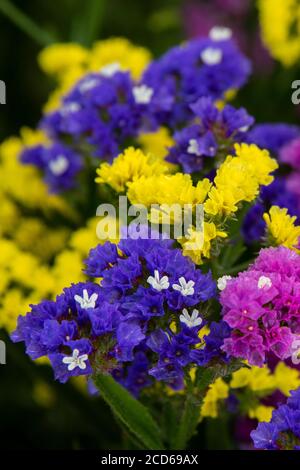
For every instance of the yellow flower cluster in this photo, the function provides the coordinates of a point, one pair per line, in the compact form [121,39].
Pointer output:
[68,62]
[238,179]
[128,167]
[262,382]
[23,279]
[280,27]
[281,228]
[218,391]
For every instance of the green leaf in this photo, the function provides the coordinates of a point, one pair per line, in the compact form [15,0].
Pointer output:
[130,411]
[25,23]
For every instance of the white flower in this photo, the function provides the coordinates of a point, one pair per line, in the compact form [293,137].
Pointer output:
[222,282]
[157,283]
[88,84]
[75,360]
[244,129]
[59,166]
[264,281]
[193,147]
[69,108]
[220,33]
[190,320]
[211,56]
[296,352]
[110,69]
[142,94]
[85,301]
[185,288]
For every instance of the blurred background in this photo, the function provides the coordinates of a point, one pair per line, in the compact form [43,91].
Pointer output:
[35,411]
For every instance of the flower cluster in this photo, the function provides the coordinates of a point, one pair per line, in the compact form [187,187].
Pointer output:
[204,67]
[106,108]
[277,20]
[213,136]
[283,431]
[143,319]
[261,306]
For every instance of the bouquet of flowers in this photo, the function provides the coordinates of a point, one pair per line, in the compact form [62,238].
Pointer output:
[170,277]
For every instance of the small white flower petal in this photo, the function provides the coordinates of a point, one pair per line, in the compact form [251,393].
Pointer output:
[110,69]
[211,56]
[59,166]
[263,282]
[222,282]
[220,33]
[142,94]
[193,147]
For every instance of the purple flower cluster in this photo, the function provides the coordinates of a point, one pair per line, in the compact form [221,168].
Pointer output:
[141,322]
[214,132]
[262,306]
[202,67]
[283,431]
[59,164]
[96,119]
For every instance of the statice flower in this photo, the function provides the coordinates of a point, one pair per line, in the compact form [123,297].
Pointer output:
[141,323]
[273,136]
[262,307]
[214,133]
[276,194]
[280,139]
[203,67]
[59,164]
[101,113]
[283,431]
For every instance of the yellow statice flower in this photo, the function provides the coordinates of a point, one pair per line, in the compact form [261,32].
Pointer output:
[259,162]
[262,413]
[238,179]
[286,378]
[58,58]
[156,142]
[217,391]
[128,167]
[13,303]
[281,228]
[127,55]
[280,28]
[68,268]
[168,189]
[35,236]
[197,245]
[15,176]
[257,379]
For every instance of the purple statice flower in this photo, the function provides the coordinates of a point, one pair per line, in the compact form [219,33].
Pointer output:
[273,136]
[283,431]
[203,67]
[290,154]
[262,307]
[101,112]
[59,164]
[215,133]
[141,323]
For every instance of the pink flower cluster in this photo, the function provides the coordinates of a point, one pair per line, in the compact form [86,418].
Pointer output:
[262,306]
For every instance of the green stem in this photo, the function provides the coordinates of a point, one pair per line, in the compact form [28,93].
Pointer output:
[26,24]
[188,423]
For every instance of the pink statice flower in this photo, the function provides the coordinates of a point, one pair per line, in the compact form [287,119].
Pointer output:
[262,306]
